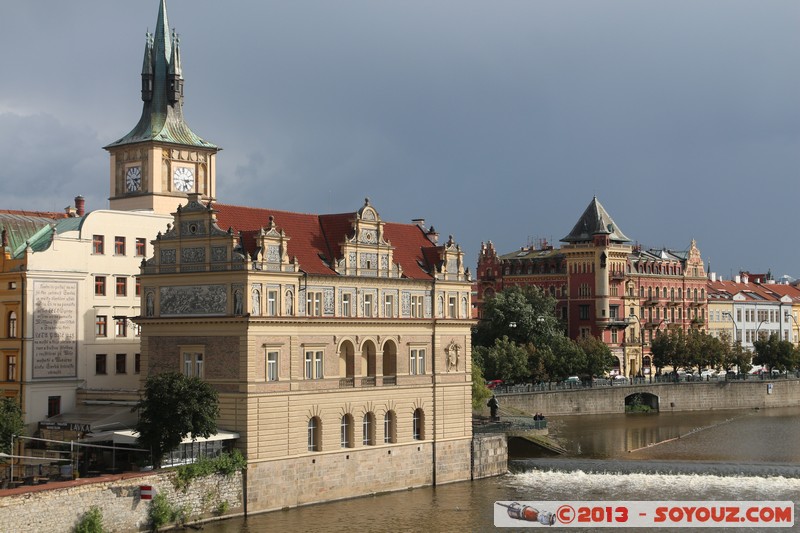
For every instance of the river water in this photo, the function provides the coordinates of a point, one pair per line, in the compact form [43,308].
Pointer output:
[716,455]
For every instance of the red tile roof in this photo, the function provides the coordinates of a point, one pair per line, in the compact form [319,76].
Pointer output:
[316,239]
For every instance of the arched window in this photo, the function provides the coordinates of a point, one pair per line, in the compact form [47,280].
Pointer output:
[347,431]
[389,428]
[12,325]
[418,424]
[368,430]
[314,434]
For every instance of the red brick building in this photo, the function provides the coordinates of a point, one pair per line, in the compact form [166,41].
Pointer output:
[605,286]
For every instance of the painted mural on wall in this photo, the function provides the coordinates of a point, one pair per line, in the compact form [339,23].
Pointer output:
[194,300]
[55,329]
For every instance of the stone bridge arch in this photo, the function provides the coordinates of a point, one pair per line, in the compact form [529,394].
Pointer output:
[641,402]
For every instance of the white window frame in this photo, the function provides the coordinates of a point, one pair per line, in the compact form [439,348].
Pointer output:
[272,302]
[388,305]
[273,356]
[416,361]
[368,305]
[346,304]
[193,361]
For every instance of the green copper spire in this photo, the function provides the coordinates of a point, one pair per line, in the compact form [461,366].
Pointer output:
[162,91]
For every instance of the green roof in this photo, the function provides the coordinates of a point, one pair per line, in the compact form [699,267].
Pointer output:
[162,116]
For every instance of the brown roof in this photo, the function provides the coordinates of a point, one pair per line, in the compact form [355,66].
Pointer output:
[316,239]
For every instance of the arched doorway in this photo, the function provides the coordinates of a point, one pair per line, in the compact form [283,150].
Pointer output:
[347,363]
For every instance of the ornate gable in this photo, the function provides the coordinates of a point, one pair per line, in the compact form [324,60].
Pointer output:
[273,249]
[366,252]
[194,243]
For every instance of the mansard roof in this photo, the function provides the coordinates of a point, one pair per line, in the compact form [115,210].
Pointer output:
[162,115]
[315,239]
[595,220]
[29,227]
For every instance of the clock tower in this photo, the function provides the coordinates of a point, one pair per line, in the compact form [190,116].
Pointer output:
[161,161]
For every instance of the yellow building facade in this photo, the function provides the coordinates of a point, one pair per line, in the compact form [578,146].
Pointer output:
[339,344]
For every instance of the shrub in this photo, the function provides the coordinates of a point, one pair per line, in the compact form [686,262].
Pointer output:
[161,512]
[90,522]
[224,463]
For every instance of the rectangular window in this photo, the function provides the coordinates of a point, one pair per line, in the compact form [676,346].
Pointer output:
[53,406]
[416,363]
[122,363]
[584,312]
[346,304]
[367,305]
[313,364]
[137,329]
[314,304]
[613,312]
[318,365]
[416,306]
[388,306]
[122,286]
[121,327]
[137,363]
[137,286]
[193,364]
[100,364]
[141,246]
[101,326]
[272,366]
[451,307]
[309,364]
[119,245]
[98,244]
[272,303]
[99,285]
[11,368]
[585,333]
[614,336]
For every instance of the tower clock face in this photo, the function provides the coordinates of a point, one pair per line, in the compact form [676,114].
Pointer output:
[133,179]
[183,179]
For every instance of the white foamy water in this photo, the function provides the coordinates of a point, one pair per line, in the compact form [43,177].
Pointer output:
[579,485]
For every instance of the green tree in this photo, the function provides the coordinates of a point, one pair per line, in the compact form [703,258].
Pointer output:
[11,423]
[568,358]
[599,359]
[174,406]
[504,360]
[775,353]
[480,392]
[522,314]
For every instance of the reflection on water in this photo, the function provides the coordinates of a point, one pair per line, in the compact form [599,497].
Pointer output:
[721,455]
[759,436]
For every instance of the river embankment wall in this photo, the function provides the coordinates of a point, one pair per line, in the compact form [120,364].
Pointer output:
[58,507]
[489,455]
[672,397]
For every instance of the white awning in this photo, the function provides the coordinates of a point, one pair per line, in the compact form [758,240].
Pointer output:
[127,436]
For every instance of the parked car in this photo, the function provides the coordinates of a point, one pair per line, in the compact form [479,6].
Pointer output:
[572,380]
[620,380]
[493,384]
[708,374]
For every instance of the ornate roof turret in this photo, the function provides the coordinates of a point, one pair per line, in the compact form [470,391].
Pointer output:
[162,92]
[595,221]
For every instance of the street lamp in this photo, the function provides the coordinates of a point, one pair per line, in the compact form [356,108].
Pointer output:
[735,327]
[787,314]
[641,339]
[758,328]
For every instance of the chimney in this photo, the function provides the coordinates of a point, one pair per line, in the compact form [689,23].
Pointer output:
[713,276]
[433,235]
[419,222]
[738,278]
[745,278]
[80,204]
